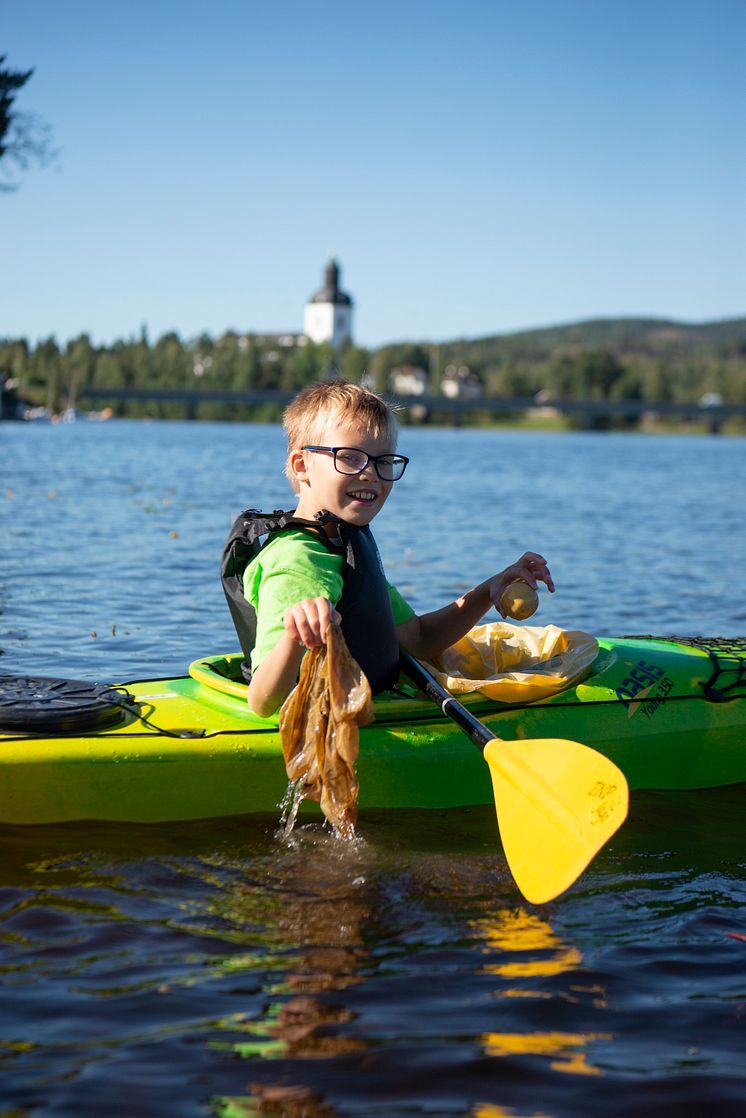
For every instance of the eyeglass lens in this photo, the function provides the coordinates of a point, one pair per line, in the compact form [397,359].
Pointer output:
[389,467]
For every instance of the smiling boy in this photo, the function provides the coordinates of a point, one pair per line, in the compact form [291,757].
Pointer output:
[342,463]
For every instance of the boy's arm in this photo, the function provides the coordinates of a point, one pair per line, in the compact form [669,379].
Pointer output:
[291,592]
[275,677]
[430,633]
[306,625]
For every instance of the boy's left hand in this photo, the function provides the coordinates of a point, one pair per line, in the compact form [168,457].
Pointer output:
[530,568]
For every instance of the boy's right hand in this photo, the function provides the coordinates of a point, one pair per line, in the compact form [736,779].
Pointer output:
[308,621]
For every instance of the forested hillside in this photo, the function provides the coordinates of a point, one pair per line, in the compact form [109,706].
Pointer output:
[643,359]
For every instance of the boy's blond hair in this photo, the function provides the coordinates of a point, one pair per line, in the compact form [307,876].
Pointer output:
[315,408]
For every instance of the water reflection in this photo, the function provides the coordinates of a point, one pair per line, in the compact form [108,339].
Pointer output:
[489,1110]
[565,1049]
[219,970]
[321,891]
[541,952]
[528,948]
[331,903]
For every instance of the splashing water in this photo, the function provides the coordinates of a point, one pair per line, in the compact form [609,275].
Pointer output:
[289,807]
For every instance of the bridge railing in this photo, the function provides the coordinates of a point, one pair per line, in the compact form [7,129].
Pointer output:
[587,409]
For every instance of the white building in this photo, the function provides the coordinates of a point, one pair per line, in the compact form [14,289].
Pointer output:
[460,383]
[409,380]
[328,313]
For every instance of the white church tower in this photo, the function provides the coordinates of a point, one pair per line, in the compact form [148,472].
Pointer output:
[328,313]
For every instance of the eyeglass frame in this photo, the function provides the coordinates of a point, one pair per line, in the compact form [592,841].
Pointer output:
[374,458]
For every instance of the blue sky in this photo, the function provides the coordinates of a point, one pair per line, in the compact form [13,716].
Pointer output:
[477,167]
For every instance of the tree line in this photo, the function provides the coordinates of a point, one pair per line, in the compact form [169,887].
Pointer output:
[652,362]
[55,377]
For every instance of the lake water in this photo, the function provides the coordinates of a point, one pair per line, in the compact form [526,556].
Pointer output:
[211,969]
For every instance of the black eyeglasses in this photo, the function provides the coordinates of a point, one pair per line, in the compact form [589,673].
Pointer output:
[350,460]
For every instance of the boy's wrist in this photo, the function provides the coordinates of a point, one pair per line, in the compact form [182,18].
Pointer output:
[483,595]
[475,602]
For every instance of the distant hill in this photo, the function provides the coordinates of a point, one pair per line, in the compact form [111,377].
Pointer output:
[623,336]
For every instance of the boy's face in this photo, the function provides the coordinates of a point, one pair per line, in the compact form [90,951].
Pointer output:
[355,498]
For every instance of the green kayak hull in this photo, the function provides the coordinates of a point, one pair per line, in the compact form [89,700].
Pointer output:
[671,713]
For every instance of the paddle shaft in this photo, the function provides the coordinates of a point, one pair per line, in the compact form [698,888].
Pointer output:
[452,708]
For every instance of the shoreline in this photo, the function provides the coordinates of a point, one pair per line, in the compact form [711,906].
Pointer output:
[734,427]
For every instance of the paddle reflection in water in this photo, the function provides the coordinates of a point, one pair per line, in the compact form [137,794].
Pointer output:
[541,954]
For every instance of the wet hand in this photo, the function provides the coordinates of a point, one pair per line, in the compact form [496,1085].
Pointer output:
[308,621]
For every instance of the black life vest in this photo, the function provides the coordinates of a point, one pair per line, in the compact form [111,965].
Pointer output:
[365,606]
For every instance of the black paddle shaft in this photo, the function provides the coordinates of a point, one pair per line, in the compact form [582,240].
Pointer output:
[451,707]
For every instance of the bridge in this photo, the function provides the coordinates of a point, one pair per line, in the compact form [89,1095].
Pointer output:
[590,411]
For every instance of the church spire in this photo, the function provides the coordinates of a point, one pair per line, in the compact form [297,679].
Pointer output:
[328,313]
[331,277]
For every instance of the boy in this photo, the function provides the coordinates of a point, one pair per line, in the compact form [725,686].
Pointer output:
[342,464]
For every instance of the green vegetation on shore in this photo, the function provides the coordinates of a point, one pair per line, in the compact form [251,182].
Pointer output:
[614,359]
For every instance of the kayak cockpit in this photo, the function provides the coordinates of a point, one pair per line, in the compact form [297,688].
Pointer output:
[221,673]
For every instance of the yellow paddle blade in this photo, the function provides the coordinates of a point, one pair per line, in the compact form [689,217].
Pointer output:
[557,803]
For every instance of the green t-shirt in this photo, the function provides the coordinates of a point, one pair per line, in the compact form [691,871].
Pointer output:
[289,568]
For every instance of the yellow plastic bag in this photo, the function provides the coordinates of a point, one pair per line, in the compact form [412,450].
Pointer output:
[516,663]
